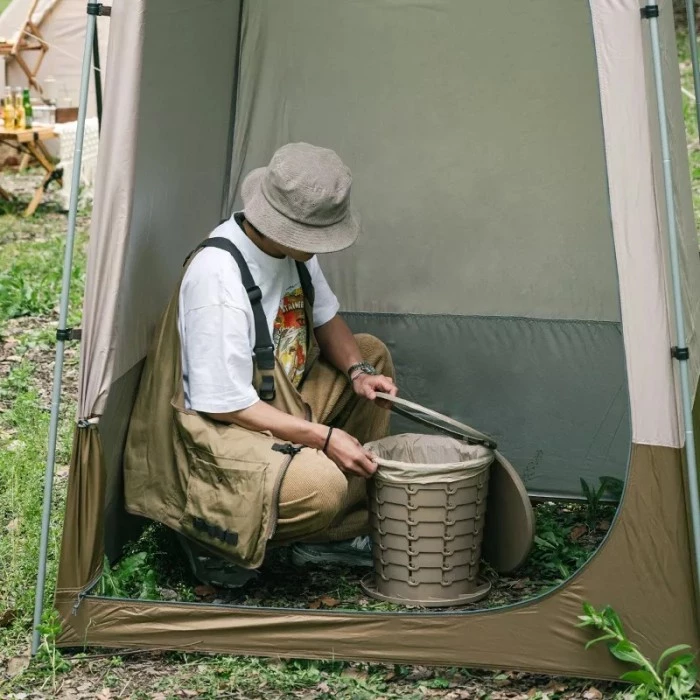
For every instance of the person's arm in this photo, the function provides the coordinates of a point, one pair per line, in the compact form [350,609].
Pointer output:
[347,453]
[339,347]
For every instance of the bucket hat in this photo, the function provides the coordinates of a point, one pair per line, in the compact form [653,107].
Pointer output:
[301,200]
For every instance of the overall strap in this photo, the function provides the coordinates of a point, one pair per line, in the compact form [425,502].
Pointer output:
[264,349]
[307,286]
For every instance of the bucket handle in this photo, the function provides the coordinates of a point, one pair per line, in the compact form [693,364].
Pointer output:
[447,425]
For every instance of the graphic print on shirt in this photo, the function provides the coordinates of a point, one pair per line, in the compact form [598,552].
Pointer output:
[289,334]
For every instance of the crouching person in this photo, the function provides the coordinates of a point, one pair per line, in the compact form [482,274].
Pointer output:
[256,398]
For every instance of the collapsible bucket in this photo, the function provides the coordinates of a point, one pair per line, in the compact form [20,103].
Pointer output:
[427,504]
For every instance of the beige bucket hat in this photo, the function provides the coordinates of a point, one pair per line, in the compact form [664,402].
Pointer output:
[301,200]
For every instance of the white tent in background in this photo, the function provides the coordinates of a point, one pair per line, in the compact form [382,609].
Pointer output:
[62,26]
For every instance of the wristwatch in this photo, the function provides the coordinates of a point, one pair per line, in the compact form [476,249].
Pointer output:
[361,368]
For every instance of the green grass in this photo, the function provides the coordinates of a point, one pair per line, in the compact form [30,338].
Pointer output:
[30,282]
[691,123]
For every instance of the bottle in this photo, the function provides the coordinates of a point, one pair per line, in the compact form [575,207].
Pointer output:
[19,110]
[8,110]
[28,110]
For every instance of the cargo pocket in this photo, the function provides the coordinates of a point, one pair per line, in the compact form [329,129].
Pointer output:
[224,505]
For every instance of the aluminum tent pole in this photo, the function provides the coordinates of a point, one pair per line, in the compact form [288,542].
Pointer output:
[680,352]
[62,334]
[693,41]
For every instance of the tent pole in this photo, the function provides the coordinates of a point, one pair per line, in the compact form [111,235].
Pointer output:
[693,41]
[680,352]
[62,333]
[98,77]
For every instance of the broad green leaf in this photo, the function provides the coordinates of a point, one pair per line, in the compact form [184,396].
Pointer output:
[670,652]
[625,651]
[603,638]
[639,678]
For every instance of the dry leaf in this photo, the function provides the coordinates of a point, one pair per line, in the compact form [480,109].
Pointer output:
[104,694]
[419,673]
[323,688]
[578,532]
[204,591]
[604,525]
[329,602]
[158,696]
[17,665]
[592,694]
[315,604]
[184,693]
[353,672]
[7,617]
[13,525]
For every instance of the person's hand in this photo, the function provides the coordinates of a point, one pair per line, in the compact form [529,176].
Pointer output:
[349,455]
[367,385]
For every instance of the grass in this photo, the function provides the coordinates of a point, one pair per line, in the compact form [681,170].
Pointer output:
[691,124]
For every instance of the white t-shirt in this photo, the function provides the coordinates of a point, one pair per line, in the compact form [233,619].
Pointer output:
[217,329]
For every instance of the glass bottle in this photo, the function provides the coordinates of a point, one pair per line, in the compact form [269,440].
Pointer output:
[28,109]
[19,110]
[8,110]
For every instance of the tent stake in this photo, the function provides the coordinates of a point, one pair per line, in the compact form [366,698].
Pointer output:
[62,320]
[680,353]
[693,41]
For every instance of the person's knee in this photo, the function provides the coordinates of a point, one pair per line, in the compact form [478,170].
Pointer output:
[376,353]
[329,499]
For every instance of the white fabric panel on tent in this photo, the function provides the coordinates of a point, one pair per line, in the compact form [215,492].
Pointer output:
[161,176]
[62,25]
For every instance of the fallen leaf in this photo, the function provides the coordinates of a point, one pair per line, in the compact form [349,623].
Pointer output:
[17,665]
[13,525]
[592,694]
[204,591]
[158,696]
[329,602]
[555,687]
[323,688]
[353,672]
[315,604]
[7,617]
[184,693]
[104,694]
[419,673]
[578,532]
[518,585]
[604,525]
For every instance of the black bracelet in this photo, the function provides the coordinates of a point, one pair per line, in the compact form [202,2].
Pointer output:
[328,439]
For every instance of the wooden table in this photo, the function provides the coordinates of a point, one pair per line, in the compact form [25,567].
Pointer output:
[30,143]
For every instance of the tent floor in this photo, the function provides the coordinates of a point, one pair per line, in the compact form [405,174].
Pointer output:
[154,568]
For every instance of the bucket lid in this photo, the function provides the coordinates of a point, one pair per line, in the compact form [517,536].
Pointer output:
[510,521]
[437,421]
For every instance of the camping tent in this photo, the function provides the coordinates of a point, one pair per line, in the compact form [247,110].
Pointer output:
[62,27]
[512,176]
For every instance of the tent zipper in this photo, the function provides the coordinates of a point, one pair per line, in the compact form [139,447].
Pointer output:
[291,451]
[85,590]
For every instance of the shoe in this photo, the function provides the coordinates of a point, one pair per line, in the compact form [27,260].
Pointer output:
[357,552]
[213,571]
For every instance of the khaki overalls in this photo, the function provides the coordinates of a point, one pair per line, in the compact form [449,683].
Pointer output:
[233,490]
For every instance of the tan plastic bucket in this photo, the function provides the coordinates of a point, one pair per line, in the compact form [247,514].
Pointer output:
[427,504]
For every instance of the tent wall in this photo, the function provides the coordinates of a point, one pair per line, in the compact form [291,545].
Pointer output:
[645,558]
[62,25]
[499,246]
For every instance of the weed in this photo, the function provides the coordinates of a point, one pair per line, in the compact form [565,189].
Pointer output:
[132,577]
[594,497]
[48,654]
[672,677]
